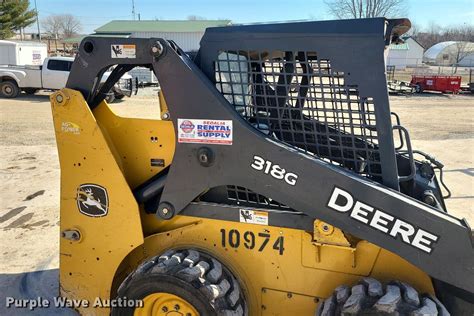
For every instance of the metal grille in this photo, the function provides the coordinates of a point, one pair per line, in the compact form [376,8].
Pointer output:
[299,99]
[245,197]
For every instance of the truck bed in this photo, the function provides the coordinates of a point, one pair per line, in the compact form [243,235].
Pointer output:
[21,67]
[28,76]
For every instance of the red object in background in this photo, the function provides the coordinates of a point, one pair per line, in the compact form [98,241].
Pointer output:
[436,83]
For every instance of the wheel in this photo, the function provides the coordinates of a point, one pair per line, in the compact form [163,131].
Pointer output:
[30,90]
[9,89]
[369,297]
[110,98]
[418,88]
[120,96]
[184,281]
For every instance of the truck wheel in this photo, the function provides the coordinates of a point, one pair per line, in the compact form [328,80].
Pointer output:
[369,297]
[418,88]
[120,96]
[9,89]
[187,282]
[110,98]
[30,90]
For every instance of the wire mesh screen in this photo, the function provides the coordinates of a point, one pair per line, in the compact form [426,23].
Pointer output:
[242,196]
[299,99]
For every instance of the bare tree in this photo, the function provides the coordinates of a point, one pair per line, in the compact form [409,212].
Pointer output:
[464,36]
[461,50]
[434,34]
[414,30]
[62,25]
[52,25]
[70,25]
[357,9]
[196,18]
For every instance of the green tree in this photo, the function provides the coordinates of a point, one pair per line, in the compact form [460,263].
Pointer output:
[14,15]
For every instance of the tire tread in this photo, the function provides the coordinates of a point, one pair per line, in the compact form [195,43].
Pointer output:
[206,274]
[370,297]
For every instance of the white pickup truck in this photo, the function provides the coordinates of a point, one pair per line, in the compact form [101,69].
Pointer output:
[52,75]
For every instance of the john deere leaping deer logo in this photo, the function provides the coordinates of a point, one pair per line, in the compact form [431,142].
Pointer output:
[92,200]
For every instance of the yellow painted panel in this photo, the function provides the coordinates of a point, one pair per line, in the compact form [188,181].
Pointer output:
[358,260]
[268,269]
[137,141]
[295,304]
[390,266]
[87,266]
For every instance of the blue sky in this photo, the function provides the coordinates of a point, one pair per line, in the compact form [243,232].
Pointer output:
[96,13]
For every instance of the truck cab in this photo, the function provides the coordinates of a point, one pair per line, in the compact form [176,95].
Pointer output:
[55,71]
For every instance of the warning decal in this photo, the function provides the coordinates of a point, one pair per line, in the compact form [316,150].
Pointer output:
[253,217]
[123,51]
[218,132]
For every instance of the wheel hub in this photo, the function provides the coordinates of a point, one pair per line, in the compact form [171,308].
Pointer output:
[165,304]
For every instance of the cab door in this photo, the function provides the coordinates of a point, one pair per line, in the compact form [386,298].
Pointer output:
[55,73]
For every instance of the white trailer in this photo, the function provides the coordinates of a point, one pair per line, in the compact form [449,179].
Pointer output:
[22,53]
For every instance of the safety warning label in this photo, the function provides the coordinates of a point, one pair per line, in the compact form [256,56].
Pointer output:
[123,51]
[218,132]
[253,217]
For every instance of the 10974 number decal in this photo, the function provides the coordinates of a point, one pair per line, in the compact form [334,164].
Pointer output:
[235,239]
[274,170]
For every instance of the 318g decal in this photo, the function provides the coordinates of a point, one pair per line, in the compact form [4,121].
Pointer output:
[274,170]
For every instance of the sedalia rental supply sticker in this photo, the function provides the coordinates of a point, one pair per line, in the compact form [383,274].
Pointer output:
[218,132]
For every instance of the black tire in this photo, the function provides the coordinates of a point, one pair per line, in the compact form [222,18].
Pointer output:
[30,90]
[369,297]
[418,88]
[119,96]
[9,89]
[196,277]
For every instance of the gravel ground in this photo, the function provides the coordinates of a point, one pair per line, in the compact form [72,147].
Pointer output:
[442,125]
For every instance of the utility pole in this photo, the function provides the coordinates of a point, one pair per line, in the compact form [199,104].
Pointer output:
[133,9]
[37,22]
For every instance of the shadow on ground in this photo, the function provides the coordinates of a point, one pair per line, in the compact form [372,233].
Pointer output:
[35,98]
[43,285]
[428,94]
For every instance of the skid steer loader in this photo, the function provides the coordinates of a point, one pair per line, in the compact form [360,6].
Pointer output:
[277,182]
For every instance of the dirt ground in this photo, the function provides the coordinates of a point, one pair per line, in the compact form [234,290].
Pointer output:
[442,125]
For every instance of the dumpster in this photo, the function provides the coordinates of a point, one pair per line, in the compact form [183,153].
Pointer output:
[443,84]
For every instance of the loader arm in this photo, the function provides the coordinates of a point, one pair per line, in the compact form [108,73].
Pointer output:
[377,212]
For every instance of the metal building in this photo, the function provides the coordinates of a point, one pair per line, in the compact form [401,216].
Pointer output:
[408,54]
[187,34]
[449,53]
